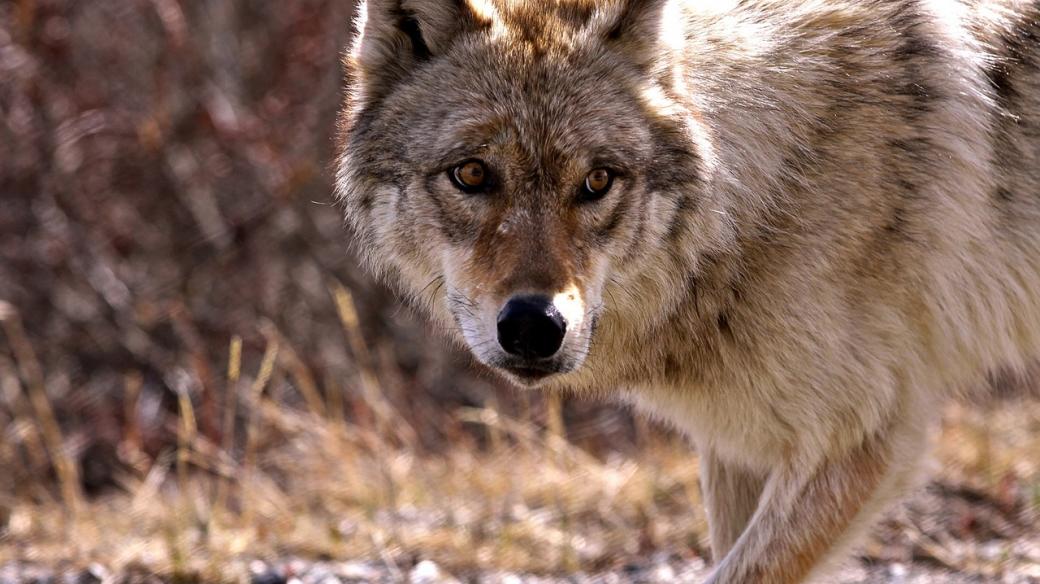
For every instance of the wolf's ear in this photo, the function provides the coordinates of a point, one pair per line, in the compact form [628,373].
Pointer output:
[644,30]
[394,36]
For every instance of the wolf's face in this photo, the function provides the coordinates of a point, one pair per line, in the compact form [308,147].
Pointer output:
[508,166]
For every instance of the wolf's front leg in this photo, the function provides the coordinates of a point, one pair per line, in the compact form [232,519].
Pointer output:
[807,514]
[731,495]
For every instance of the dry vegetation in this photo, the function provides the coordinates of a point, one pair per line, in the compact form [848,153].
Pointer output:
[186,384]
[512,495]
[302,481]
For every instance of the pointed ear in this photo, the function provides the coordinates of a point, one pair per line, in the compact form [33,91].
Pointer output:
[394,36]
[644,30]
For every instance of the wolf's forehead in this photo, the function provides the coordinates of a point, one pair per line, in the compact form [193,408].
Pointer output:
[532,140]
[540,126]
[542,23]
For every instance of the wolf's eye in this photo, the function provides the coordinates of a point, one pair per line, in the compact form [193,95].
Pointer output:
[597,184]
[470,176]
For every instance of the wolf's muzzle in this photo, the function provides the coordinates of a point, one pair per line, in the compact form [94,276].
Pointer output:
[530,327]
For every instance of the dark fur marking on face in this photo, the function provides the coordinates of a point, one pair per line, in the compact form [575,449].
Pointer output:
[684,208]
[920,93]
[1003,195]
[362,124]
[606,230]
[375,175]
[999,76]
[693,289]
[637,237]
[914,45]
[736,292]
[672,367]
[916,48]
[1018,56]
[676,163]
[913,150]
[896,225]
[920,96]
[454,229]
[675,160]
[724,326]
[907,187]
[410,27]
[908,19]
[575,14]
[402,198]
[366,202]
[618,29]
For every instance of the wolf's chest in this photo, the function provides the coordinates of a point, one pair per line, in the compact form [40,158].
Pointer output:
[734,424]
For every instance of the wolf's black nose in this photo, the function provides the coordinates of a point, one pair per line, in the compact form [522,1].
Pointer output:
[531,327]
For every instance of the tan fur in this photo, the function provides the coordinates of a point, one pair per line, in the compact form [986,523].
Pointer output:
[826,220]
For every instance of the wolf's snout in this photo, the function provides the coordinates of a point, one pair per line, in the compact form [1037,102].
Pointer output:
[531,327]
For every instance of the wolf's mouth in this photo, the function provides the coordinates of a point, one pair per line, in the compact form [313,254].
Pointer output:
[530,374]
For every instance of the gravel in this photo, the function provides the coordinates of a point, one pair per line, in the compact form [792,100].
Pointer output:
[658,570]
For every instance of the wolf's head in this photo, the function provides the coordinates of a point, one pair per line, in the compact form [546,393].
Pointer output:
[524,169]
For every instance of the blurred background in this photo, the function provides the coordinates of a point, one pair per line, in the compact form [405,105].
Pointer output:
[197,381]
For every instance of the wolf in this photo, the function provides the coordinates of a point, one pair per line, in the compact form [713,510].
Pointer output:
[790,228]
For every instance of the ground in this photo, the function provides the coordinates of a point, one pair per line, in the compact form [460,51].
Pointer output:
[313,500]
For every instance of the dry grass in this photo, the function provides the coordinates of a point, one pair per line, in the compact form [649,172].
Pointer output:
[516,496]
[300,481]
[318,488]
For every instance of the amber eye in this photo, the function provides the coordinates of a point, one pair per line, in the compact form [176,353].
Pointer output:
[597,184]
[470,176]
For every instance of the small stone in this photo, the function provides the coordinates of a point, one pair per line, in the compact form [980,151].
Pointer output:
[664,573]
[80,577]
[358,571]
[427,572]
[100,572]
[898,572]
[268,576]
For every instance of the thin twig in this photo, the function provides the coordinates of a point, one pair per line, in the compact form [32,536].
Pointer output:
[234,372]
[267,367]
[32,374]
